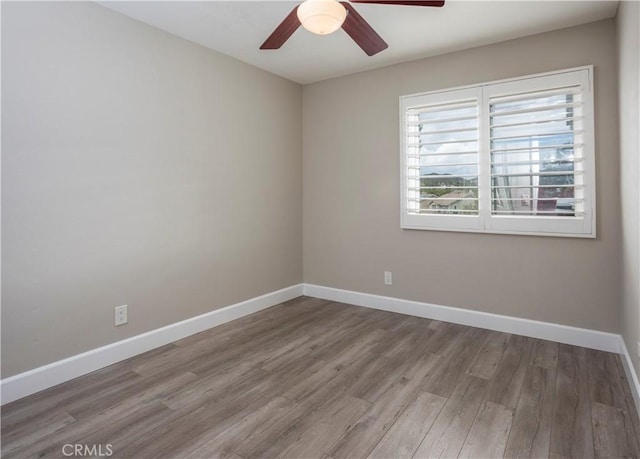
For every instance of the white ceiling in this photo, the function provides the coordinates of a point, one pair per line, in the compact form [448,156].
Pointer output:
[237,28]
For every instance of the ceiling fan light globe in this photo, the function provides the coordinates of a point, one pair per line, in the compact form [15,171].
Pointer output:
[321,17]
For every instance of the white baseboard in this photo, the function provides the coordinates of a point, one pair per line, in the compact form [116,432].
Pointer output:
[593,339]
[41,378]
[630,371]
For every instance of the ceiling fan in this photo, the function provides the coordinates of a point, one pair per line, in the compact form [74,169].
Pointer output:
[326,16]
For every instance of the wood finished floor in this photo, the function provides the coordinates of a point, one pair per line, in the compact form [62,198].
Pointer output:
[312,378]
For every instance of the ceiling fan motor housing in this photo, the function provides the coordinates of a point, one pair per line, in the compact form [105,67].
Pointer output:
[321,17]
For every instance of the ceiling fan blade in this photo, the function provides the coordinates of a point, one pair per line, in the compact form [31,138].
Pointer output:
[283,31]
[361,32]
[437,3]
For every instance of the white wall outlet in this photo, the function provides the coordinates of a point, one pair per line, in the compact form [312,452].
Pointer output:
[388,278]
[639,348]
[121,315]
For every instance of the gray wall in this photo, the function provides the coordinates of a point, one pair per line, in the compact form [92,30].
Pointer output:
[352,184]
[628,22]
[140,169]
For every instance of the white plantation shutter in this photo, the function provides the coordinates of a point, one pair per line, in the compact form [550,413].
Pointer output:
[517,156]
[442,159]
[540,148]
[443,140]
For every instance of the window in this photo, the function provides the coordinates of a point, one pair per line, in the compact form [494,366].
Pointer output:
[514,156]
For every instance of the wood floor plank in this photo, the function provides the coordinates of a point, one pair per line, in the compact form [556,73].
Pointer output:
[297,371]
[116,416]
[545,354]
[530,432]
[334,366]
[377,377]
[450,429]
[238,335]
[262,320]
[406,336]
[320,438]
[571,431]
[631,411]
[260,345]
[489,432]
[127,414]
[227,389]
[604,383]
[442,342]
[272,440]
[424,340]
[139,391]
[120,434]
[437,325]
[366,334]
[204,418]
[299,348]
[256,348]
[489,355]
[223,444]
[28,409]
[455,362]
[406,434]
[27,434]
[369,429]
[202,388]
[508,378]
[612,433]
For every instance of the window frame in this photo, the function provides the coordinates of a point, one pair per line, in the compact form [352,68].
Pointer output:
[484,221]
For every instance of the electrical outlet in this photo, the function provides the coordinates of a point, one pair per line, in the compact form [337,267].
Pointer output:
[121,315]
[388,278]
[638,348]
